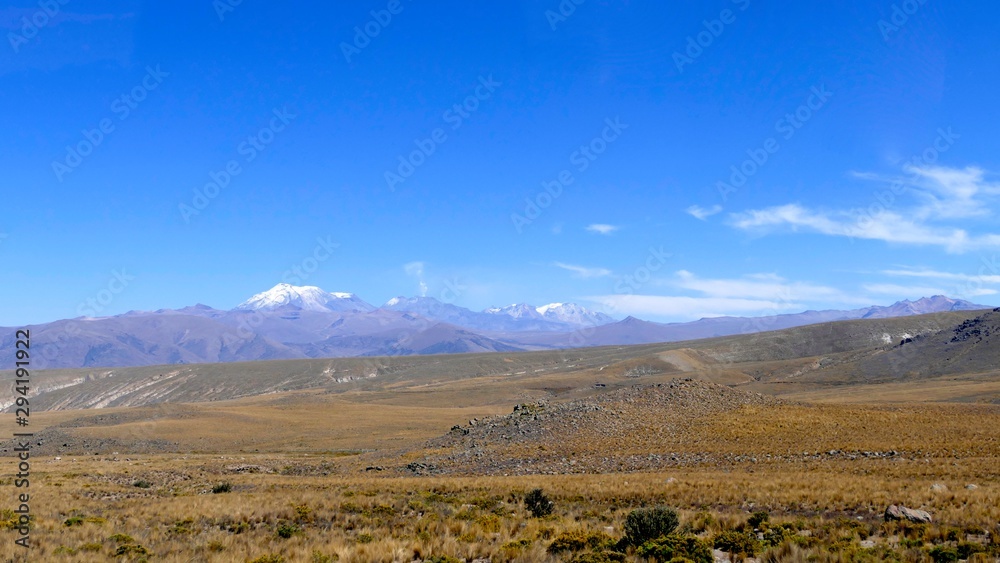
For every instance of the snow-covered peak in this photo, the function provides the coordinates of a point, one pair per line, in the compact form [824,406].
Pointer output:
[571,313]
[545,308]
[516,310]
[306,298]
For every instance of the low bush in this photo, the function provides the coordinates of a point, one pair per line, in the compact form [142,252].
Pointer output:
[644,524]
[538,504]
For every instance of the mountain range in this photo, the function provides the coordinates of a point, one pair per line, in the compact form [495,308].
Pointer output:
[289,322]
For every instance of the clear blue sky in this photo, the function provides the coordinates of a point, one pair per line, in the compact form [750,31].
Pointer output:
[642,108]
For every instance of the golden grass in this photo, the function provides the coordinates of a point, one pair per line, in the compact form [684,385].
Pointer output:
[360,516]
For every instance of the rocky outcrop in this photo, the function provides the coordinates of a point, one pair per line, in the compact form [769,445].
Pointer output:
[896,513]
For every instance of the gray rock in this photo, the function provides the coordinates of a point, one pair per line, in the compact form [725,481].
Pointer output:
[895,513]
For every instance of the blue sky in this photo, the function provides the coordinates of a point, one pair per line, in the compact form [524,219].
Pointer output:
[665,161]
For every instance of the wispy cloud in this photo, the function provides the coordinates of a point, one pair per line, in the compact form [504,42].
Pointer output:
[765,286]
[751,294]
[903,291]
[690,307]
[416,270]
[583,271]
[941,195]
[934,274]
[602,228]
[701,213]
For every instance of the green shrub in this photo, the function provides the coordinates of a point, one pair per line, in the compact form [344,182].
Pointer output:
[288,529]
[538,504]
[91,546]
[758,518]
[270,558]
[130,549]
[967,549]
[142,484]
[121,538]
[73,521]
[182,527]
[365,538]
[222,488]
[598,557]
[644,524]
[675,547]
[776,536]
[320,557]
[579,541]
[944,554]
[736,543]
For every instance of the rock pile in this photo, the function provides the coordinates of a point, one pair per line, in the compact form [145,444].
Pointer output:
[590,435]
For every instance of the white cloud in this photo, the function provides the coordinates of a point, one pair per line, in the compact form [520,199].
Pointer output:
[941,195]
[416,270]
[748,295]
[690,307]
[582,271]
[903,291]
[934,274]
[979,292]
[702,213]
[602,228]
[886,226]
[766,286]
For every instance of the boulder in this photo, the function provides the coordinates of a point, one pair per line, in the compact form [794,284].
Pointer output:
[894,513]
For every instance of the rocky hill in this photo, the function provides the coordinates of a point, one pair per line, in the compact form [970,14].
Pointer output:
[631,429]
[972,346]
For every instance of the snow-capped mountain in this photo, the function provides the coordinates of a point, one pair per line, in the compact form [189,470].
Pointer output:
[562,313]
[306,298]
[495,321]
[307,322]
[572,313]
[517,310]
[432,309]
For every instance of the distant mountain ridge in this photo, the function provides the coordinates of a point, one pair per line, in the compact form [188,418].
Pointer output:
[289,322]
